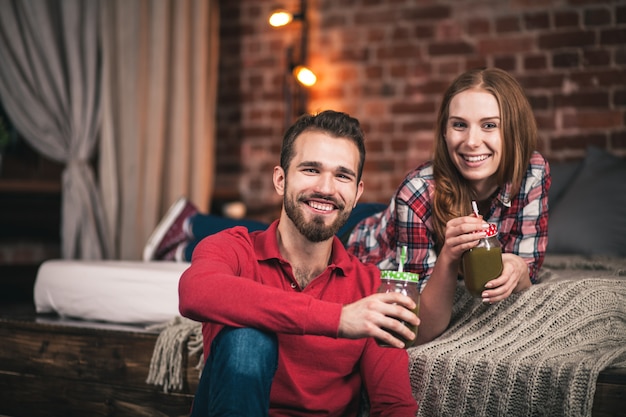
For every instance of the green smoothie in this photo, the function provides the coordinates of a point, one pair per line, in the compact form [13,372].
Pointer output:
[407,343]
[481,265]
[404,283]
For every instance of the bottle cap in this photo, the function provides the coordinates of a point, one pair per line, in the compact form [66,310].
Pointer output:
[492,231]
[400,276]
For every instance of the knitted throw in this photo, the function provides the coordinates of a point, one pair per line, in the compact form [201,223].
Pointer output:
[177,338]
[538,353]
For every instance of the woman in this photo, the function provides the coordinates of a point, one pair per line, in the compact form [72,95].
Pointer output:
[485,144]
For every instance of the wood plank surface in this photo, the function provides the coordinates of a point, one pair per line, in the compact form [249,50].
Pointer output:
[52,367]
[24,395]
[81,353]
[56,367]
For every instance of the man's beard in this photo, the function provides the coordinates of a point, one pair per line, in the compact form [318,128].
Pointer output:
[315,230]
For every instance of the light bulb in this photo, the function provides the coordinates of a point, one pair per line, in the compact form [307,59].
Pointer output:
[304,75]
[280,17]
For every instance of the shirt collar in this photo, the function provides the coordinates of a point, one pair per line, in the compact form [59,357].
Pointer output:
[266,248]
[504,196]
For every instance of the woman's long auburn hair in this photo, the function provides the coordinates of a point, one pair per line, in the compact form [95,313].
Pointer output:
[518,129]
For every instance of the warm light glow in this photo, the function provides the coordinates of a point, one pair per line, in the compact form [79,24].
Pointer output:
[280,17]
[305,76]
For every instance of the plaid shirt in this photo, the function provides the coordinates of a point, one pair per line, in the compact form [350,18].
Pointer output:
[522,222]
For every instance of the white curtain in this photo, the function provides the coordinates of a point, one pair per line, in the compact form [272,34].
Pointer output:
[159,92]
[50,78]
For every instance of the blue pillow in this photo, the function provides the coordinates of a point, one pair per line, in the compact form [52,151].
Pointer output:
[589,218]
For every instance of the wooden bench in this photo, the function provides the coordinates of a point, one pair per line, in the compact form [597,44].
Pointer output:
[55,367]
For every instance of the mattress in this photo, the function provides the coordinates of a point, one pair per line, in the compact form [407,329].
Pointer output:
[109,291]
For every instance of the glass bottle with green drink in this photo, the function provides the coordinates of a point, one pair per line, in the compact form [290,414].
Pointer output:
[405,283]
[483,262]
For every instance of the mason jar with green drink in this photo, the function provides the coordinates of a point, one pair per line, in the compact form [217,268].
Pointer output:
[483,262]
[405,283]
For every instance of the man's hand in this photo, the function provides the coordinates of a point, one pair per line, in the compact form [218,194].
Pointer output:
[370,316]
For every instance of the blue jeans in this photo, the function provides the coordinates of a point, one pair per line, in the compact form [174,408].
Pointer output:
[238,374]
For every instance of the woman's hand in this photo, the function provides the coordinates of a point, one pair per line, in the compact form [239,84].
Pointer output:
[462,234]
[514,278]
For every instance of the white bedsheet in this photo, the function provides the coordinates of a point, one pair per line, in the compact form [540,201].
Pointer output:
[110,291]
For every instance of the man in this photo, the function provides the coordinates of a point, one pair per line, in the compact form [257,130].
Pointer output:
[289,317]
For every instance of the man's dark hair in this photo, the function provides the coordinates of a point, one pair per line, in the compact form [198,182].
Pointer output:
[333,123]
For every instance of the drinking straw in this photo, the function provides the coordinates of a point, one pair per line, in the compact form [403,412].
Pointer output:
[402,259]
[475,208]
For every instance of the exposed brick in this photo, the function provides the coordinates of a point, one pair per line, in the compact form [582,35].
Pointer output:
[588,2]
[619,98]
[422,69]
[376,35]
[597,17]
[388,62]
[620,56]
[594,119]
[582,99]
[535,62]
[435,12]
[613,37]
[596,58]
[399,145]
[258,132]
[507,63]
[450,48]
[398,51]
[541,81]
[538,101]
[432,87]
[618,140]
[595,78]
[409,107]
[399,70]
[448,68]
[545,121]
[353,54]
[538,20]
[475,62]
[508,24]
[571,39]
[424,32]
[333,21]
[567,18]
[478,26]
[505,45]
[448,31]
[565,59]
[417,125]
[580,141]
[378,90]
[620,14]
[375,17]
[400,34]
[374,72]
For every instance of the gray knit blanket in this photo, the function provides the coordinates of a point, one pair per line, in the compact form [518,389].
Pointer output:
[538,353]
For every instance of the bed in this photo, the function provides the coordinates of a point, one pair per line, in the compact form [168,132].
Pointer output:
[110,291]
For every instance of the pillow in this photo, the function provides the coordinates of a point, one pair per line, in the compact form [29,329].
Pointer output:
[590,216]
[360,212]
[562,173]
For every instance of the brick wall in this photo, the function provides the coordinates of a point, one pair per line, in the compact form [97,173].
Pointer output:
[387,63]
